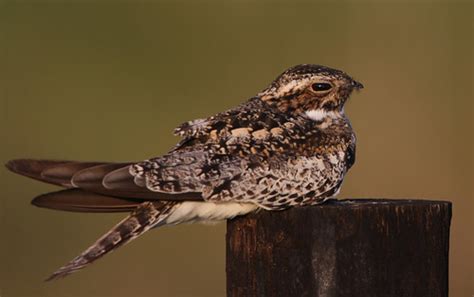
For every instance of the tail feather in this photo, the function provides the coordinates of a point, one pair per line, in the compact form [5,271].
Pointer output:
[146,216]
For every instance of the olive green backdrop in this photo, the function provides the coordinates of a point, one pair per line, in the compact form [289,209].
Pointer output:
[110,80]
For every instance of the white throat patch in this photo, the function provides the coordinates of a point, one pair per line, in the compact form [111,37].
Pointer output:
[321,114]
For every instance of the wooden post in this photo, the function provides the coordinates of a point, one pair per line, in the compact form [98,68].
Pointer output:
[369,248]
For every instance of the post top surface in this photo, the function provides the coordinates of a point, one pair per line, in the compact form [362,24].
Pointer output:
[382,201]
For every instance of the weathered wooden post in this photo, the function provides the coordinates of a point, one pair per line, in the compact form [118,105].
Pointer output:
[348,248]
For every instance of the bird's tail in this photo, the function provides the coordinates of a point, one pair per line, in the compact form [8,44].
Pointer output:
[146,216]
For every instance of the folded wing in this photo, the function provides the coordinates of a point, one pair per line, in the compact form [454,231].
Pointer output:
[90,186]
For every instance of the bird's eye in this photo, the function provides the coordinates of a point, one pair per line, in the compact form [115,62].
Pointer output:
[319,87]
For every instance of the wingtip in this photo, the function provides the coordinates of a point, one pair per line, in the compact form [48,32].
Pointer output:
[39,201]
[29,167]
[12,165]
[56,172]
[51,200]
[46,201]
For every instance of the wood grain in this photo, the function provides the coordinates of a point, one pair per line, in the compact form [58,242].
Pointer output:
[354,248]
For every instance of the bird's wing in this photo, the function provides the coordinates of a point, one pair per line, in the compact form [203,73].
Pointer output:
[213,151]
[86,191]
[252,154]
[114,179]
[145,216]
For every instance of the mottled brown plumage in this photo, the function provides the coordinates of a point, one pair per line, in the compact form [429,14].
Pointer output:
[290,145]
[146,216]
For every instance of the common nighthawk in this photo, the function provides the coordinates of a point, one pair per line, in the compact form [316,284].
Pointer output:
[288,146]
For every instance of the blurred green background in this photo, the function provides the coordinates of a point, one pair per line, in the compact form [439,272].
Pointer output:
[103,80]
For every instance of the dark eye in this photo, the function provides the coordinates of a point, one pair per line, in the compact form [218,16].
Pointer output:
[318,87]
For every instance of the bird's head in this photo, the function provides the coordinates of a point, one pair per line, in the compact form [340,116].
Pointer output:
[311,90]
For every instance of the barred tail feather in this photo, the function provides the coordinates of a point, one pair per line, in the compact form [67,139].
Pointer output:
[146,216]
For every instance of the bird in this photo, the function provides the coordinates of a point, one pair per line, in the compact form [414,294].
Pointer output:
[288,146]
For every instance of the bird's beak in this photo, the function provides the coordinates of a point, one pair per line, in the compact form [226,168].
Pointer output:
[357,85]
